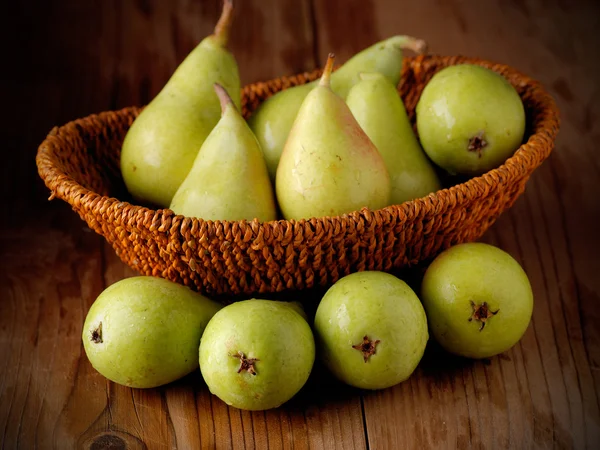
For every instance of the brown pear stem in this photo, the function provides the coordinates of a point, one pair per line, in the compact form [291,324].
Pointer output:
[224,97]
[223,26]
[327,71]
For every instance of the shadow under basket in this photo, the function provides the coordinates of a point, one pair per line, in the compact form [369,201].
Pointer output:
[79,162]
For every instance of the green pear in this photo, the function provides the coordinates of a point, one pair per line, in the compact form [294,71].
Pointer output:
[160,147]
[478,300]
[144,331]
[229,178]
[257,354]
[371,330]
[329,166]
[378,108]
[274,118]
[470,119]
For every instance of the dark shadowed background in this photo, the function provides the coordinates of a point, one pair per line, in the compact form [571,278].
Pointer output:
[64,59]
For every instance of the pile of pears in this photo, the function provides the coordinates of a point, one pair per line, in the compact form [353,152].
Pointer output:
[370,329]
[321,149]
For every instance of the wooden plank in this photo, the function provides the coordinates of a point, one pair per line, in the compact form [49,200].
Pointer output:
[344,28]
[272,38]
[43,376]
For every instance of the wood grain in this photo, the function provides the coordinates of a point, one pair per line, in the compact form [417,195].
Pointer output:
[70,59]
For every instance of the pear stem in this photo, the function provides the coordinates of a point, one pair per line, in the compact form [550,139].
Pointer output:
[327,71]
[419,46]
[223,26]
[224,97]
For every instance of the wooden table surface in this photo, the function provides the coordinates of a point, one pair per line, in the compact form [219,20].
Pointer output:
[66,59]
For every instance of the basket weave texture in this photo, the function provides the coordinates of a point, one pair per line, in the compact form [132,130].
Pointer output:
[79,162]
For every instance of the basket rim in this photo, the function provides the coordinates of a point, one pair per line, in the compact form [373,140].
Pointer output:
[530,154]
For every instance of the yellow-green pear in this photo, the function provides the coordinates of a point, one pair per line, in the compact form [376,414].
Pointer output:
[378,108]
[274,118]
[229,179]
[145,331]
[329,166]
[160,147]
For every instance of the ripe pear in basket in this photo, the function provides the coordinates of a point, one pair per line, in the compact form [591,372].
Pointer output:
[80,164]
[229,178]
[329,166]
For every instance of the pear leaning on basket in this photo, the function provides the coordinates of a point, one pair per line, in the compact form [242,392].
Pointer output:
[160,147]
[378,108]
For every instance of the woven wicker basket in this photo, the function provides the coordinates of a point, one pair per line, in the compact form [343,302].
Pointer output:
[79,163]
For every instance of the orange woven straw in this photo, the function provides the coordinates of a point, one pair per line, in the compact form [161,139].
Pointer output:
[79,162]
